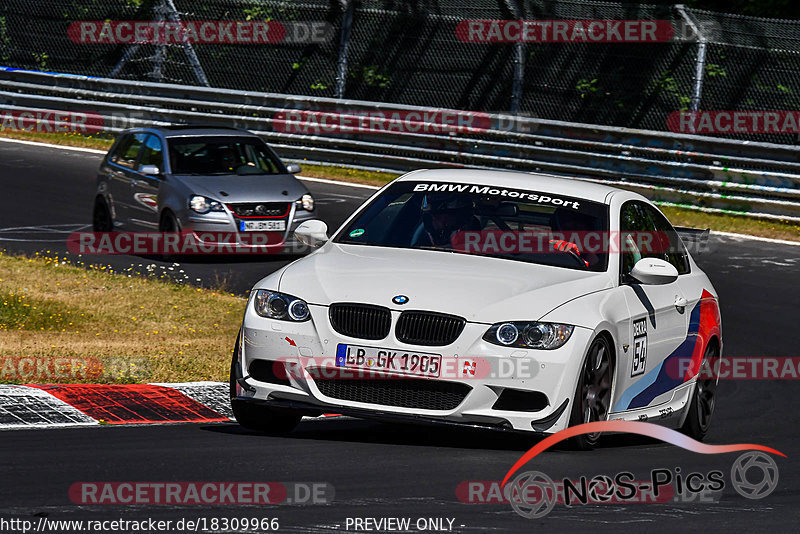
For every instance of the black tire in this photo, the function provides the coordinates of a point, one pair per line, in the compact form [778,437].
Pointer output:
[701,408]
[593,392]
[101,216]
[169,223]
[254,416]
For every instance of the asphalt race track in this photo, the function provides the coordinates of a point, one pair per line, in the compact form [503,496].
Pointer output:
[385,470]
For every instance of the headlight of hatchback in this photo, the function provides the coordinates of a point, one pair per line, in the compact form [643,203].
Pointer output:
[529,334]
[201,204]
[276,305]
[306,202]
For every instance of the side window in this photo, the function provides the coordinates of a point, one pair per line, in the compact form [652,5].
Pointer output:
[128,150]
[152,153]
[121,148]
[669,240]
[635,229]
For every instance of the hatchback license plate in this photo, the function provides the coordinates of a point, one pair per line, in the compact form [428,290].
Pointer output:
[262,226]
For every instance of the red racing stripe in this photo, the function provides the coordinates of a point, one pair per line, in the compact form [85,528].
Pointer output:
[709,326]
[132,403]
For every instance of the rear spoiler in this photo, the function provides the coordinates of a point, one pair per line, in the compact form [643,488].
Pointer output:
[695,239]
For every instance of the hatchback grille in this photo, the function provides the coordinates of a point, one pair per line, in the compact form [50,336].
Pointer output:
[361,320]
[260,209]
[428,328]
[401,392]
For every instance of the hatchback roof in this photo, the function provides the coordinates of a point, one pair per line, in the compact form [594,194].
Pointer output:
[178,130]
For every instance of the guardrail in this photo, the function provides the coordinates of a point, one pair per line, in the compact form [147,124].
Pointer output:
[712,174]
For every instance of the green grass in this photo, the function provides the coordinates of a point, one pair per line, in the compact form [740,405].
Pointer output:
[19,311]
[679,216]
[99,142]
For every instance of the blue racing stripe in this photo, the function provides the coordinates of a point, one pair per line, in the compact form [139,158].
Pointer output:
[658,381]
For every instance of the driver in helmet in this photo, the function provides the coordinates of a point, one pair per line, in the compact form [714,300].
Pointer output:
[445,214]
[576,225]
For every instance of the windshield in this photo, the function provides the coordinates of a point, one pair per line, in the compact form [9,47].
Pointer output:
[531,226]
[222,155]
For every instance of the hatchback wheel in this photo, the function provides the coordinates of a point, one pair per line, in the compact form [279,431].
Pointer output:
[101,216]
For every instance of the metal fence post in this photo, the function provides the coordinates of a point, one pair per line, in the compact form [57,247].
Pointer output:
[700,61]
[344,42]
[519,61]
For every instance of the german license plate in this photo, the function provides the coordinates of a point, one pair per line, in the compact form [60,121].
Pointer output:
[262,226]
[389,360]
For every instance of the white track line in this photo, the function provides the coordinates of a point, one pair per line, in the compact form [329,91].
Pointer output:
[756,238]
[374,188]
[59,147]
[335,182]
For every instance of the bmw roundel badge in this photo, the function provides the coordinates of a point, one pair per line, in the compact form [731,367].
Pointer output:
[400,299]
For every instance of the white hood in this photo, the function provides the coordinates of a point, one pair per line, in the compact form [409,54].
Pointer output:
[480,289]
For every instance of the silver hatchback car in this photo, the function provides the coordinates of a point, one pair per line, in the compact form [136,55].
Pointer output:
[198,179]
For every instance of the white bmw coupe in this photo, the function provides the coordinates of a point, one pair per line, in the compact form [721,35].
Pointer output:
[492,299]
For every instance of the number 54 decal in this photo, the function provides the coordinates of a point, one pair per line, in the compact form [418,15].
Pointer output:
[639,347]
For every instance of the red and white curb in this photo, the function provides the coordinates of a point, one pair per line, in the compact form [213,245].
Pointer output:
[67,405]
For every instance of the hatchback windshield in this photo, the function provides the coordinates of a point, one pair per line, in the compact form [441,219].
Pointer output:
[532,226]
[222,155]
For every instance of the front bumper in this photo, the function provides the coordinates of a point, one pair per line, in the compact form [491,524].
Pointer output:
[208,228]
[550,375]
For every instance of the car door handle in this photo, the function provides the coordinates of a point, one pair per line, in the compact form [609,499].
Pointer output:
[137,183]
[680,304]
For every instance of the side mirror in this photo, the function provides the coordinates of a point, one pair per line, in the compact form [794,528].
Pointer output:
[654,271]
[312,233]
[293,168]
[150,170]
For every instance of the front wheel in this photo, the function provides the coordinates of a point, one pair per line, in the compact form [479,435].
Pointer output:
[101,216]
[169,224]
[701,408]
[593,393]
[254,416]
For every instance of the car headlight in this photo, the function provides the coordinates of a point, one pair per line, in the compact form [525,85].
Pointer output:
[201,204]
[276,305]
[306,202]
[529,335]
